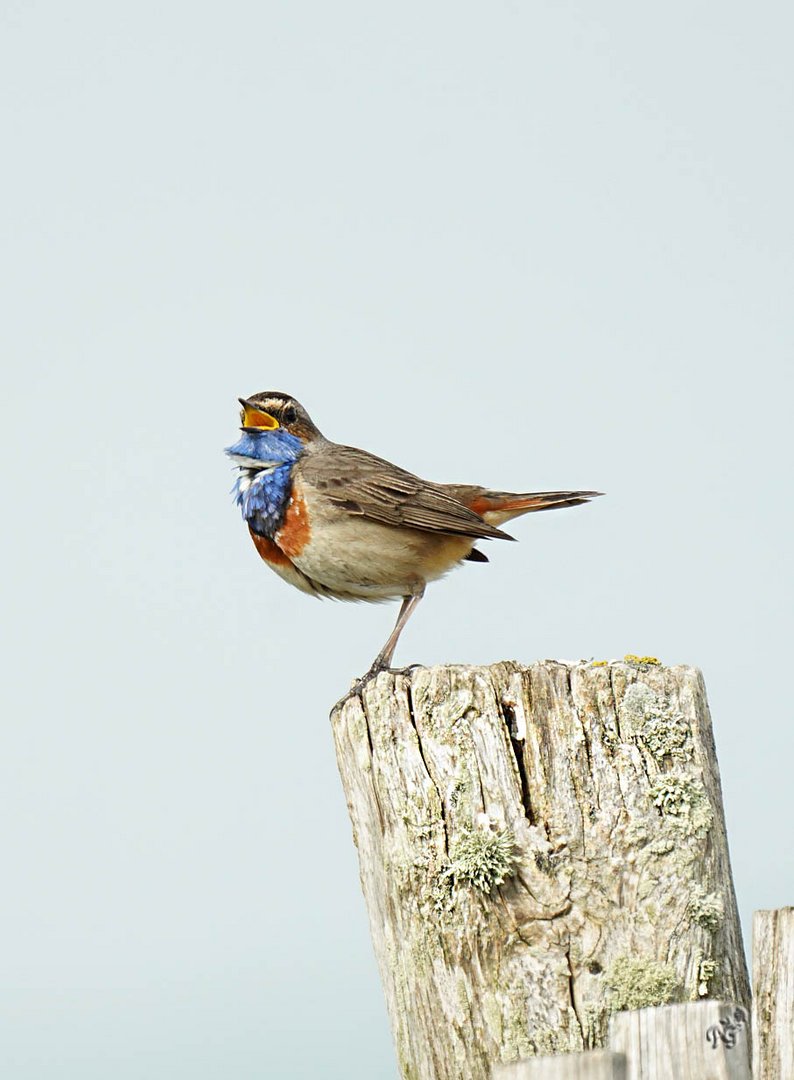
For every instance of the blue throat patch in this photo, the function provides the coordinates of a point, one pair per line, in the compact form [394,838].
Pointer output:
[262,489]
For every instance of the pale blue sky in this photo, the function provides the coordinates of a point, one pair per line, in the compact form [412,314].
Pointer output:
[531,245]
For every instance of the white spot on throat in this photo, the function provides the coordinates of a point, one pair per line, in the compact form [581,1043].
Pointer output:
[246,463]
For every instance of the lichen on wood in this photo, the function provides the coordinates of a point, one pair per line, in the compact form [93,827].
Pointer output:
[538,847]
[641,984]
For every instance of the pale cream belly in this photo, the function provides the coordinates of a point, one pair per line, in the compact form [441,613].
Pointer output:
[359,559]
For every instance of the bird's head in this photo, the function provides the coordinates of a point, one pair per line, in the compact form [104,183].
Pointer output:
[275,429]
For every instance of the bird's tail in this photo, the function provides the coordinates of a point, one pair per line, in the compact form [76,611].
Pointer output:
[496,507]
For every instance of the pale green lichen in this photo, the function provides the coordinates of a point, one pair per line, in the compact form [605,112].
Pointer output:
[705,909]
[683,801]
[482,858]
[595,1024]
[665,736]
[449,719]
[661,727]
[505,1009]
[640,984]
[636,834]
[662,845]
[547,1041]
[707,969]
[516,1042]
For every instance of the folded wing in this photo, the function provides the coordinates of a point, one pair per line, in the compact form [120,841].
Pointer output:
[360,483]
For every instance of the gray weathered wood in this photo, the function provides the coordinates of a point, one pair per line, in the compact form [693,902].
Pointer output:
[592,1065]
[702,1040]
[773,994]
[539,846]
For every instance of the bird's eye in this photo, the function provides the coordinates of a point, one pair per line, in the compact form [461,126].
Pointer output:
[289,415]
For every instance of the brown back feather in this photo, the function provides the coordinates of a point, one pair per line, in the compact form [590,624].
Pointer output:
[361,483]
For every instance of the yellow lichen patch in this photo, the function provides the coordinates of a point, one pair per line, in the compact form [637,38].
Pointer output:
[599,663]
[652,661]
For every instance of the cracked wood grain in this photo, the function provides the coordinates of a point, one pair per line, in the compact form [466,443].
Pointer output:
[773,994]
[538,847]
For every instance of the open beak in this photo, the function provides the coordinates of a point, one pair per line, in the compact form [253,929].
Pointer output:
[256,420]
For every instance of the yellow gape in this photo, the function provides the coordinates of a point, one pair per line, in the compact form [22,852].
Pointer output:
[256,420]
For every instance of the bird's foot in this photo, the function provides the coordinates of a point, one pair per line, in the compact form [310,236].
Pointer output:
[359,684]
[379,666]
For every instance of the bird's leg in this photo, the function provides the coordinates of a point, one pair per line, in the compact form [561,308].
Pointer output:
[384,657]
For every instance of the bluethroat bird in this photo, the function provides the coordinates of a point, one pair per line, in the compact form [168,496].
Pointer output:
[336,521]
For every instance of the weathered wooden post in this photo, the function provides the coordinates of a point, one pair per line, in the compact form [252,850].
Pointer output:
[703,1040]
[539,846]
[593,1065]
[773,994]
